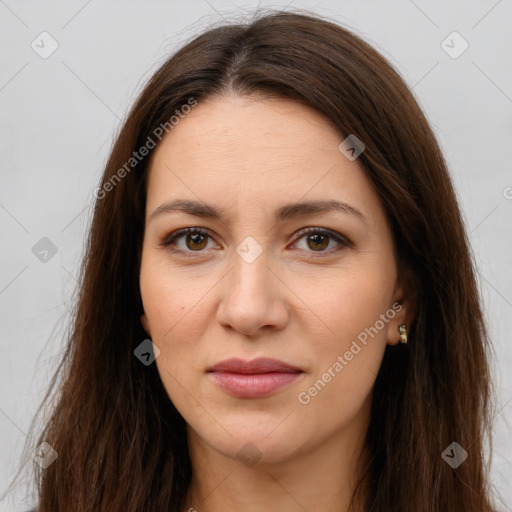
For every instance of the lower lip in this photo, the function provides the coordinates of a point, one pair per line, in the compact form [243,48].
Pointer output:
[256,385]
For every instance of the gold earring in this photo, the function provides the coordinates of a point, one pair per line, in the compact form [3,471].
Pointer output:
[403,333]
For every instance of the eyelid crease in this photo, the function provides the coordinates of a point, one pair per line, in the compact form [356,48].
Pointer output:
[342,240]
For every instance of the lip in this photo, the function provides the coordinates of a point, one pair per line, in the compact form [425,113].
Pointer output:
[258,378]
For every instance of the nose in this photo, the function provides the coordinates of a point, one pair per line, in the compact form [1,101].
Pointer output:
[253,296]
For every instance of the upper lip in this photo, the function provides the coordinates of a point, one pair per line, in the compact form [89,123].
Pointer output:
[259,365]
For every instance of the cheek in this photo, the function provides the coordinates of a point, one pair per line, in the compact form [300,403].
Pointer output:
[170,297]
[338,390]
[344,304]
[177,314]
[356,311]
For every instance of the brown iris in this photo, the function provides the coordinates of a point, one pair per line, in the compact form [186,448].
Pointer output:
[316,238]
[197,238]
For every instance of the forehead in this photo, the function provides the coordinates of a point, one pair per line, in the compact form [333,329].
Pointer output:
[250,129]
[253,151]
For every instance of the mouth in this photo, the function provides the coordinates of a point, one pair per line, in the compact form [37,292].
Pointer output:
[258,378]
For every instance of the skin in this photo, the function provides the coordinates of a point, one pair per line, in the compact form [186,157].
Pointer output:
[300,301]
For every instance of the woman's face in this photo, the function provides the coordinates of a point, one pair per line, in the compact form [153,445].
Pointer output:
[256,285]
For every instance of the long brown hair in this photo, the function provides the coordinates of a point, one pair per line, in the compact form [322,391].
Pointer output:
[122,445]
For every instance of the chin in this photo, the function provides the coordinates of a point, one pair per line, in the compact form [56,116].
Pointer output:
[257,442]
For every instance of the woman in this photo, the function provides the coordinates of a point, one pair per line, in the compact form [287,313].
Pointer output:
[278,307]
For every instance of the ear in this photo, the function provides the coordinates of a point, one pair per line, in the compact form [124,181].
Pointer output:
[404,306]
[145,324]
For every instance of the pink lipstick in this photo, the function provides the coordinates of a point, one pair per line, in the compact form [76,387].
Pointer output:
[258,378]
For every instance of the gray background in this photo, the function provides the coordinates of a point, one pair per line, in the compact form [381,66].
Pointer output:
[60,114]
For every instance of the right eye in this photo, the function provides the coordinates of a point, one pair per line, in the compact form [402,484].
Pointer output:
[196,239]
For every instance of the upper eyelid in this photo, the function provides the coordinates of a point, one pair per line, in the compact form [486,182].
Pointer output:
[171,237]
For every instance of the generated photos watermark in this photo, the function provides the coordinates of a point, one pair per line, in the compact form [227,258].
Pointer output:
[137,156]
[304,397]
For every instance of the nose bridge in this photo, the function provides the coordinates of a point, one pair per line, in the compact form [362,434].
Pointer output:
[250,273]
[250,298]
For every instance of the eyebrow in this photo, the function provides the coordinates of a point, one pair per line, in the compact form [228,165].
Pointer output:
[285,212]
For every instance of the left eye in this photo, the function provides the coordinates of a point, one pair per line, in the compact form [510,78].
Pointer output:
[196,239]
[318,239]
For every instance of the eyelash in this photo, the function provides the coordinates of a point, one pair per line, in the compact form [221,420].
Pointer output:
[169,239]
